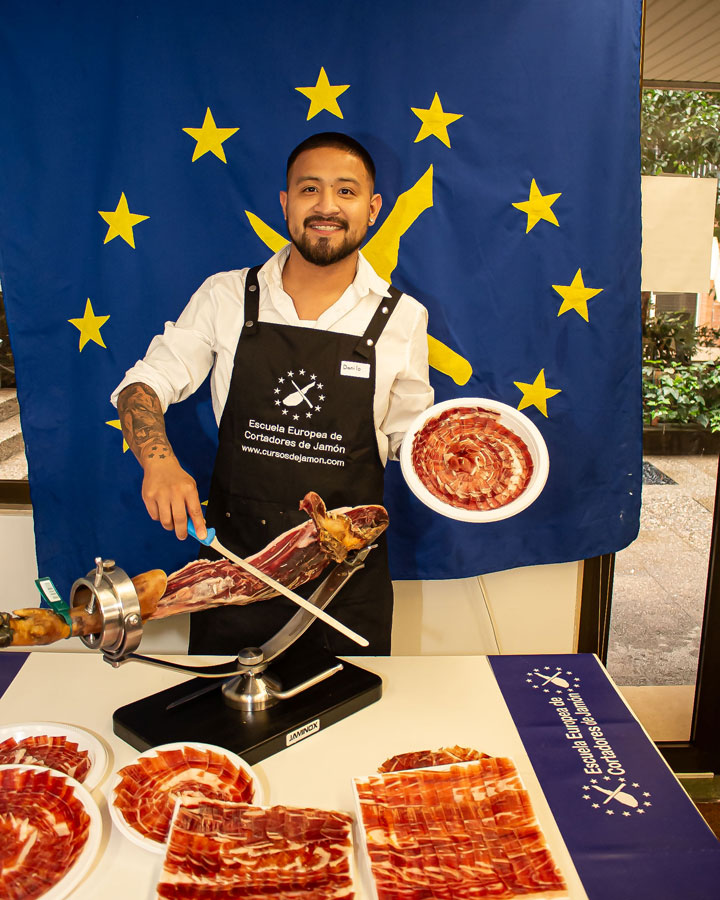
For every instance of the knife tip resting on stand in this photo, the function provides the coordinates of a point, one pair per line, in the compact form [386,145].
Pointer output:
[210,540]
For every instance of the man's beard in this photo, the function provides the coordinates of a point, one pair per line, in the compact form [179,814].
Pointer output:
[320,251]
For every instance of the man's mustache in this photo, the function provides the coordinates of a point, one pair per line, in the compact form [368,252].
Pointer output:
[325,220]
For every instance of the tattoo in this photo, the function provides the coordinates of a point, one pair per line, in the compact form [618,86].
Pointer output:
[143,423]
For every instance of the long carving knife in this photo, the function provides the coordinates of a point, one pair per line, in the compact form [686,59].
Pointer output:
[212,541]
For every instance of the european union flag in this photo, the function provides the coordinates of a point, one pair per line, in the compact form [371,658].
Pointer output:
[143,147]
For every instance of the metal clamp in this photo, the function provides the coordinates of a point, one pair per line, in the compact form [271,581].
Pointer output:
[112,593]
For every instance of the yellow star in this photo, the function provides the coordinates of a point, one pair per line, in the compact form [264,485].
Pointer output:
[122,222]
[576,295]
[536,394]
[89,326]
[435,121]
[537,207]
[115,423]
[323,96]
[210,138]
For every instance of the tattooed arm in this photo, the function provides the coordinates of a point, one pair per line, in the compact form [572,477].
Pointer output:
[169,492]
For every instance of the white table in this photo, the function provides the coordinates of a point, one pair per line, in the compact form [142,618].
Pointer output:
[427,702]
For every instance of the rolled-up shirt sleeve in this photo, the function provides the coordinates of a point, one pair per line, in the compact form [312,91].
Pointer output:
[178,360]
[411,392]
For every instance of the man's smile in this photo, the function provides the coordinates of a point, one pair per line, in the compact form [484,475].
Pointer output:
[325,226]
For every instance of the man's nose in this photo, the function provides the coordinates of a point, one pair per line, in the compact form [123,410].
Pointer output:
[326,203]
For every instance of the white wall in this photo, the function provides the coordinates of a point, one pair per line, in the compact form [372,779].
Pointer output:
[528,610]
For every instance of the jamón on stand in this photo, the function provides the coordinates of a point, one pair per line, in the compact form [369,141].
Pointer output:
[293,558]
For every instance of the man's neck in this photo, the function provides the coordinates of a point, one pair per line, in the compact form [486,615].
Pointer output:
[315,288]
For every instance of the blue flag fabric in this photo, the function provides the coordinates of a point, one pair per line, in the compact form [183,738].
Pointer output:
[143,148]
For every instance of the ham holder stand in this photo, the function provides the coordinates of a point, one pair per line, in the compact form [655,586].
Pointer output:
[240,705]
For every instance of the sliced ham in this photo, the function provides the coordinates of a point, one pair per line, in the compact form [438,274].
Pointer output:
[466,458]
[219,849]
[147,790]
[54,752]
[463,831]
[43,830]
[421,759]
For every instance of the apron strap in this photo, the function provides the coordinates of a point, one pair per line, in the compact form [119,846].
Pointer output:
[366,345]
[252,301]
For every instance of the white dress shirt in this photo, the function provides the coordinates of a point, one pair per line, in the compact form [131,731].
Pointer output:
[206,335]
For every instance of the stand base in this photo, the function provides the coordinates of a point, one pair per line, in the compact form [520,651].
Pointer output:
[254,735]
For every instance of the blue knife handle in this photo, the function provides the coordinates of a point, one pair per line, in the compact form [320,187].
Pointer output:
[206,540]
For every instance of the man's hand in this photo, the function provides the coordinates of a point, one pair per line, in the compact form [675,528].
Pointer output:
[171,496]
[169,492]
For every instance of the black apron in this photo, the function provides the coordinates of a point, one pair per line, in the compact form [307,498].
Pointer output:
[298,418]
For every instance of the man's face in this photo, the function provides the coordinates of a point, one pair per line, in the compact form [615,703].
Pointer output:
[329,204]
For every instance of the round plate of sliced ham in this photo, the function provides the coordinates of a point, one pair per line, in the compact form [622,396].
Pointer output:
[474,459]
[64,748]
[50,833]
[143,794]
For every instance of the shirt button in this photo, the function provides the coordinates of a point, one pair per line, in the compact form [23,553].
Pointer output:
[252,287]
[249,323]
[263,522]
[369,342]
[385,310]
[227,515]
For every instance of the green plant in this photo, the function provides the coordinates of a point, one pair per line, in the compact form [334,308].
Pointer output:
[680,132]
[682,393]
[670,337]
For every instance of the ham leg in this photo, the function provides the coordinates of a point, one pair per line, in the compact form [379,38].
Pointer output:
[293,558]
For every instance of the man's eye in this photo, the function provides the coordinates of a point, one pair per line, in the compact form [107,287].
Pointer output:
[310,188]
[348,192]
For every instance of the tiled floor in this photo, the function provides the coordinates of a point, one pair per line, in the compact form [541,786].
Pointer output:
[660,579]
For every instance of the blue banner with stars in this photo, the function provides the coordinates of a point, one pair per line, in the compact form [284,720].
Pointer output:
[614,798]
[143,148]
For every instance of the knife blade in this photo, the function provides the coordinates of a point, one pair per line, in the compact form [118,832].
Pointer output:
[212,541]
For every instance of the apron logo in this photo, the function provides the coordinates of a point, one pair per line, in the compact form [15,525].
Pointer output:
[298,395]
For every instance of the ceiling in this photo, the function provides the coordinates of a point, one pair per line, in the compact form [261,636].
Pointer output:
[682,44]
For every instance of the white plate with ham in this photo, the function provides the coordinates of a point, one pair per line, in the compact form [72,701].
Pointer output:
[51,830]
[474,459]
[143,794]
[223,849]
[73,751]
[469,828]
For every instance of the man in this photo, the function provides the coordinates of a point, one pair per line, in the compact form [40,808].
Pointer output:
[318,368]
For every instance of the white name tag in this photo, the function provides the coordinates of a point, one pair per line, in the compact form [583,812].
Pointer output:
[355,369]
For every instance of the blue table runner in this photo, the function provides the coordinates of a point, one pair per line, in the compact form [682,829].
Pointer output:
[631,829]
[10,665]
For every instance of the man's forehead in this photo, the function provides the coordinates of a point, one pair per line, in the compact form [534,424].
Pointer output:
[328,163]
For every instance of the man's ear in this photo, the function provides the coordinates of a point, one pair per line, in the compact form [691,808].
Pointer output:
[283,203]
[375,204]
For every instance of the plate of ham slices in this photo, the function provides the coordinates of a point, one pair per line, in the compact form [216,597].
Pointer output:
[458,830]
[64,748]
[474,459]
[51,829]
[218,848]
[144,794]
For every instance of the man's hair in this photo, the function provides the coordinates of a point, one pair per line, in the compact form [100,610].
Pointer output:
[339,141]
